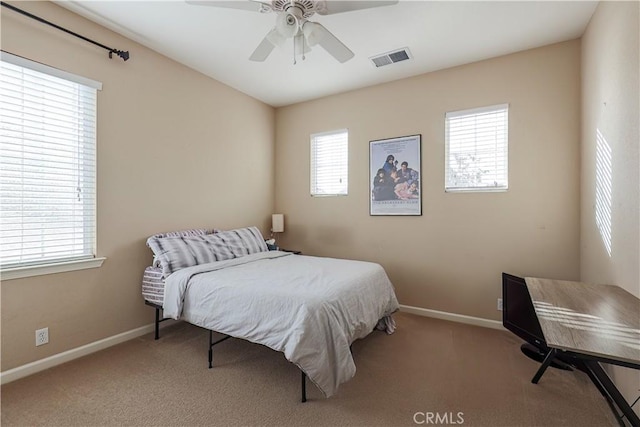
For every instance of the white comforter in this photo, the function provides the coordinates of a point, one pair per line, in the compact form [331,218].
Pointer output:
[309,308]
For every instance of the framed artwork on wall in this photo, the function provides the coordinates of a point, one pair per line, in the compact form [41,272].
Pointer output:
[394,170]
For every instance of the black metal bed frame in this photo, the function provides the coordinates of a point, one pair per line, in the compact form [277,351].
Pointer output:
[303,397]
[158,319]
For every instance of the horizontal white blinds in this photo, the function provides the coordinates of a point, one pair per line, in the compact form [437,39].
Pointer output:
[48,167]
[51,71]
[330,163]
[476,154]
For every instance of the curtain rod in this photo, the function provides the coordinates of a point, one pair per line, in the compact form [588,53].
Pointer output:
[122,54]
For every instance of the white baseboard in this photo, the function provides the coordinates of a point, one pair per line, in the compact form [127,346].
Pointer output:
[460,318]
[66,356]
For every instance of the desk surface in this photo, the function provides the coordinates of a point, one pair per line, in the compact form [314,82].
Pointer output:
[598,320]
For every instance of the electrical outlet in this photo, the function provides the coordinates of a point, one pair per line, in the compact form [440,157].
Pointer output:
[42,336]
[499,304]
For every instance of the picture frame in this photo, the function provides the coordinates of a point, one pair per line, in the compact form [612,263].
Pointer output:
[394,176]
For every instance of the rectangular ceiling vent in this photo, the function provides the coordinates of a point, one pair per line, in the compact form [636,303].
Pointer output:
[391,57]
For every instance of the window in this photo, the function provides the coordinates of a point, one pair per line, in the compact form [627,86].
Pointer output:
[330,163]
[476,149]
[48,163]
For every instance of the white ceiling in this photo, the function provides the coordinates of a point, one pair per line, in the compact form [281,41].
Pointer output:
[440,34]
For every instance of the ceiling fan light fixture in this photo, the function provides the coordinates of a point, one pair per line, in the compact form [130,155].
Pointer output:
[287,25]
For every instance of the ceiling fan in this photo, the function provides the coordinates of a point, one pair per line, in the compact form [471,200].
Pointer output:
[292,23]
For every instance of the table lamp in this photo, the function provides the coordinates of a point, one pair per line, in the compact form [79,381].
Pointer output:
[277,225]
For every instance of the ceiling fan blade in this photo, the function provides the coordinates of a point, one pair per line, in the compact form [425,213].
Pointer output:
[251,5]
[265,47]
[330,7]
[317,34]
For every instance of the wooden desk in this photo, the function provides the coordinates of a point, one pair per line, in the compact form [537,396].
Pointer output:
[592,324]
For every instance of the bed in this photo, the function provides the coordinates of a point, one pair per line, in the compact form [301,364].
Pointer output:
[309,308]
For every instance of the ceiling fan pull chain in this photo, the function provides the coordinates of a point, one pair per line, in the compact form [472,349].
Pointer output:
[303,57]
[294,51]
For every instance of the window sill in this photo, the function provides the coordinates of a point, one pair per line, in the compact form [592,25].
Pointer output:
[60,267]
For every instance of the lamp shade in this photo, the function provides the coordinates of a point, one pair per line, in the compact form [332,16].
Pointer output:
[277,223]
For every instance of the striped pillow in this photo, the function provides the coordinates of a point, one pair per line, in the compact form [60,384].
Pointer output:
[174,252]
[242,241]
[186,233]
[178,252]
[181,233]
[218,247]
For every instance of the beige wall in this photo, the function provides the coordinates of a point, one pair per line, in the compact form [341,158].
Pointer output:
[611,106]
[176,150]
[169,140]
[450,258]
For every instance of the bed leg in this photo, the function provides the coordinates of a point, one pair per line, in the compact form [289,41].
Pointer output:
[304,386]
[157,323]
[210,349]
[211,344]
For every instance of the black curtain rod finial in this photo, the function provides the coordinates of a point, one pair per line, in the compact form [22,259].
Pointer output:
[122,54]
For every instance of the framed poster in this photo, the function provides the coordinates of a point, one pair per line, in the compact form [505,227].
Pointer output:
[394,171]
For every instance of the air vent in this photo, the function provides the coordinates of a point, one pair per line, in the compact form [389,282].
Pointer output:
[391,57]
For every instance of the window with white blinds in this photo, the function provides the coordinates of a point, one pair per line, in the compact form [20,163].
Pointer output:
[330,163]
[48,164]
[476,149]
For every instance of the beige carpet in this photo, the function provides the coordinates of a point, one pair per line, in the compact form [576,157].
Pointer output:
[427,366]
